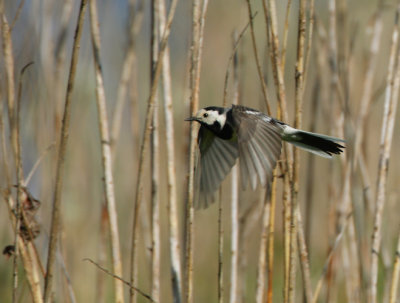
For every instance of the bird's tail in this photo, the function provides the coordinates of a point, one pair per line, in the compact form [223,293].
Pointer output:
[320,145]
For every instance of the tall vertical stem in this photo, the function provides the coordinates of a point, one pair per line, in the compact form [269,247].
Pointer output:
[55,216]
[106,153]
[198,17]
[143,146]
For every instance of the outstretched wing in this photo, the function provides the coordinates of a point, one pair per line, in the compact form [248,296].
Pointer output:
[259,142]
[217,157]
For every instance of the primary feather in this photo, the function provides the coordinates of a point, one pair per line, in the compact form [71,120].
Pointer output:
[217,157]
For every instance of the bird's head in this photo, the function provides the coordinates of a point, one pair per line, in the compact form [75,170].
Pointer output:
[210,116]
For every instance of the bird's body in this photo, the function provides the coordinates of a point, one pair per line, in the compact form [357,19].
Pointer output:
[250,135]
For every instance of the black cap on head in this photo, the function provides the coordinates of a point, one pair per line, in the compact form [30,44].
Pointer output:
[216,108]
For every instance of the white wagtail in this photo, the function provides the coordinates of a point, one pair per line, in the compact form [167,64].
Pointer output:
[228,133]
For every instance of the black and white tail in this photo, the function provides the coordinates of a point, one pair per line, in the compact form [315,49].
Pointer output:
[320,145]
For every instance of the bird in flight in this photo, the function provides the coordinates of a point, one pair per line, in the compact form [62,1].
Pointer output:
[256,139]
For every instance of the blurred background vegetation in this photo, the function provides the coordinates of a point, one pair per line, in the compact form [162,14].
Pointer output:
[38,37]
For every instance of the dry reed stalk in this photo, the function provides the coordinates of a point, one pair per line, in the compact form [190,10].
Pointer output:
[366,180]
[155,161]
[128,88]
[346,268]
[331,36]
[355,263]
[368,84]
[389,116]
[32,272]
[57,70]
[17,14]
[144,143]
[9,79]
[199,9]
[387,273]
[346,41]
[220,254]
[106,153]
[145,295]
[395,274]
[68,282]
[233,297]
[4,158]
[311,165]
[62,37]
[235,288]
[248,220]
[13,126]
[55,219]
[285,34]
[304,255]
[173,219]
[127,68]
[355,271]
[271,233]
[236,220]
[127,71]
[28,257]
[304,258]
[325,268]
[276,59]
[308,50]
[37,163]
[278,68]
[262,256]
[136,16]
[13,117]
[256,56]
[299,86]
[233,58]
[234,180]
[101,254]
[299,74]
[155,210]
[31,261]
[266,244]
[278,73]
[342,209]
[286,197]
[286,233]
[27,251]
[18,210]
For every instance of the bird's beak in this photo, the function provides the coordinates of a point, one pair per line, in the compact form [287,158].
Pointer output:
[191,119]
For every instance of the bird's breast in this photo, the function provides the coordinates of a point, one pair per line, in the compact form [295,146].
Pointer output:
[226,133]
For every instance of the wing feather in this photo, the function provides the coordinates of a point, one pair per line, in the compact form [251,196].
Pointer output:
[224,155]
[272,141]
[268,160]
[246,159]
[265,165]
[256,156]
[217,157]
[260,143]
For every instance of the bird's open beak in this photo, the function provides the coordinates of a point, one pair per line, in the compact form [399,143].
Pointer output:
[191,119]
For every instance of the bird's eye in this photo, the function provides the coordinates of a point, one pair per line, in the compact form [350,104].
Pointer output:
[205,115]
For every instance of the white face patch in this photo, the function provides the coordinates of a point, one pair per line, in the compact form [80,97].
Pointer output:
[210,116]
